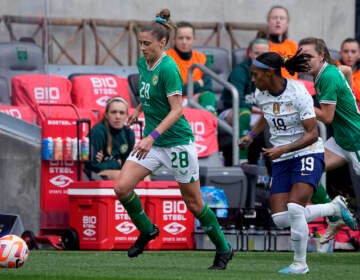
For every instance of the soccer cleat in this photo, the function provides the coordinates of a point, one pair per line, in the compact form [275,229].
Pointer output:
[221,260]
[345,213]
[295,269]
[144,238]
[332,229]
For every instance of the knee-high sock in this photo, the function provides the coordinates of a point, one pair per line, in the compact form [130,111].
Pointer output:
[211,226]
[133,206]
[299,231]
[311,212]
[320,210]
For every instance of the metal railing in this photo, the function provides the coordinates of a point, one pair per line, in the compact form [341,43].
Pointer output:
[232,130]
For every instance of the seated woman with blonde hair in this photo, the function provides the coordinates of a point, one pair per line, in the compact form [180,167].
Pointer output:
[111,140]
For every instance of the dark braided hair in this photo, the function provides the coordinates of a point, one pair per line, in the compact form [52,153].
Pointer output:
[161,27]
[298,63]
[320,48]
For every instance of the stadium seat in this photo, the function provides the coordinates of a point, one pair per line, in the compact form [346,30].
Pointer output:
[36,89]
[17,58]
[133,80]
[91,91]
[219,60]
[237,56]
[24,113]
[49,96]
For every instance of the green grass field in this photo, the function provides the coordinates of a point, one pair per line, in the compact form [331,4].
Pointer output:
[81,265]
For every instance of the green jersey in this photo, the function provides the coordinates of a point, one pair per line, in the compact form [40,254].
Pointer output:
[332,88]
[156,85]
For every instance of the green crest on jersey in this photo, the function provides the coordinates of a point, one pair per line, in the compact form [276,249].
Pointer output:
[123,148]
[155,80]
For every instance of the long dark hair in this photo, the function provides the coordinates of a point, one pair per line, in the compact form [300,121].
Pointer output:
[298,63]
[320,47]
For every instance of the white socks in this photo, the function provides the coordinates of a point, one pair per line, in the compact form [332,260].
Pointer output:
[311,212]
[297,218]
[321,210]
[299,231]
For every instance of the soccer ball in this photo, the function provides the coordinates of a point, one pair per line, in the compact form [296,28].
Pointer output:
[13,251]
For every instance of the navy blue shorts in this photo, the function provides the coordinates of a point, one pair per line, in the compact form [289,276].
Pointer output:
[306,169]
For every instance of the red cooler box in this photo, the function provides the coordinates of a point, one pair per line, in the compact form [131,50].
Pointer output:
[166,208]
[102,223]
[98,217]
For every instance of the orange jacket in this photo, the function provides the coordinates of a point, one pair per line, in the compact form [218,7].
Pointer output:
[356,85]
[184,65]
[287,48]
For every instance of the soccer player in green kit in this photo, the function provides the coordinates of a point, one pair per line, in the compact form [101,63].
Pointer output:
[168,140]
[338,108]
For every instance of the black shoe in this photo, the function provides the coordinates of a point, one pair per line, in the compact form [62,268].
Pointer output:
[138,247]
[221,260]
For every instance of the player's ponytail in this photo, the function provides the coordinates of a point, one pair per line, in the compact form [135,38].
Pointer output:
[320,48]
[162,25]
[271,60]
[298,63]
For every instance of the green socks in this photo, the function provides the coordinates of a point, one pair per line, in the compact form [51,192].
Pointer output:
[211,226]
[207,100]
[321,197]
[136,212]
[244,127]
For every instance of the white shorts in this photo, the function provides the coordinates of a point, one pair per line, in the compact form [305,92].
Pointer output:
[352,158]
[182,160]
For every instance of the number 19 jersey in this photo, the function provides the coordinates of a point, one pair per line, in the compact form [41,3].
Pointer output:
[284,114]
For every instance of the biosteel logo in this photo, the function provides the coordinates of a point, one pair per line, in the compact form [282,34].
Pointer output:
[102,101]
[104,86]
[61,181]
[12,112]
[175,228]
[89,232]
[49,94]
[126,227]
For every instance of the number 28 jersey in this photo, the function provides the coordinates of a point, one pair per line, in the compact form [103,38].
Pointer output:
[284,114]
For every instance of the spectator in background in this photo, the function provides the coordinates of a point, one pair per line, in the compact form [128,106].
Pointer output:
[349,56]
[277,33]
[185,56]
[240,77]
[111,140]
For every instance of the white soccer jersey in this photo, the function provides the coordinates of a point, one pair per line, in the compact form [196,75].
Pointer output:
[284,114]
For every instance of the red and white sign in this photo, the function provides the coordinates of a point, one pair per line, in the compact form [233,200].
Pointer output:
[204,127]
[92,91]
